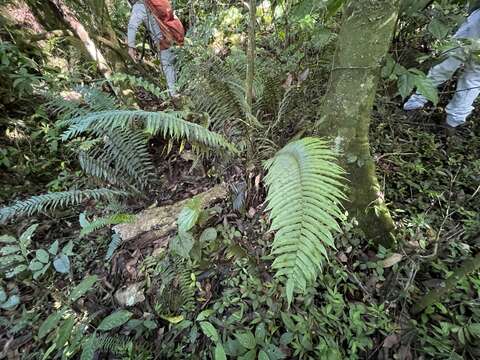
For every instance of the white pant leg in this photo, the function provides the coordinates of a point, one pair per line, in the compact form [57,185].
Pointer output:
[167,58]
[444,71]
[468,89]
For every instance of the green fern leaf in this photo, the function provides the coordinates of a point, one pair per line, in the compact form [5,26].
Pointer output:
[169,124]
[97,224]
[304,195]
[114,244]
[52,201]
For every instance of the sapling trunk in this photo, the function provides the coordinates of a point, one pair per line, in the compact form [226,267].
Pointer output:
[363,42]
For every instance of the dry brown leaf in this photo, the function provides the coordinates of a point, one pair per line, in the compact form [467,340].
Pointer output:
[392,260]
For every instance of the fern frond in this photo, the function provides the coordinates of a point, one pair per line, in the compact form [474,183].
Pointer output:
[97,100]
[169,124]
[99,168]
[52,201]
[114,244]
[113,344]
[304,193]
[139,82]
[128,153]
[100,223]
[176,291]
[91,100]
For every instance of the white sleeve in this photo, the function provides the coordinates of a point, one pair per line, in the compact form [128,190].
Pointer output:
[139,15]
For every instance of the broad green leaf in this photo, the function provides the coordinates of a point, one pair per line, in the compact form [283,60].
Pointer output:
[42,256]
[53,249]
[474,329]
[438,29]
[8,250]
[35,265]
[50,323]
[88,348]
[208,235]
[220,352]
[182,244]
[41,272]
[189,215]
[10,259]
[64,332]
[12,301]
[150,324]
[26,237]
[210,331]
[250,355]
[7,239]
[115,320]
[82,288]
[406,83]
[62,264]
[49,352]
[427,88]
[274,352]
[262,355]
[205,314]
[247,339]
[333,6]
[15,271]
[173,319]
[260,334]
[68,249]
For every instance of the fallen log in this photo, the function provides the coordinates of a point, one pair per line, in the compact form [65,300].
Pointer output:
[158,222]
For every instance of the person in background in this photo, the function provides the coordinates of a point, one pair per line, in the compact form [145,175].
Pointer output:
[140,14]
[468,86]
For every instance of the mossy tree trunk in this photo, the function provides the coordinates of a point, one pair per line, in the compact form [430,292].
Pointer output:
[81,32]
[363,42]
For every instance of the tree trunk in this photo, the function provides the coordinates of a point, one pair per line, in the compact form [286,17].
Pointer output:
[84,37]
[47,15]
[251,54]
[363,42]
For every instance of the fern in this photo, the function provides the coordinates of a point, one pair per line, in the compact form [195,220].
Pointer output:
[90,99]
[139,82]
[169,124]
[114,244]
[176,291]
[52,201]
[100,223]
[304,194]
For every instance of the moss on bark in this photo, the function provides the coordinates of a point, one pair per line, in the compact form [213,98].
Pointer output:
[362,44]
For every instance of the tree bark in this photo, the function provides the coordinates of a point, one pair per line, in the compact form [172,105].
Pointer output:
[80,31]
[363,42]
